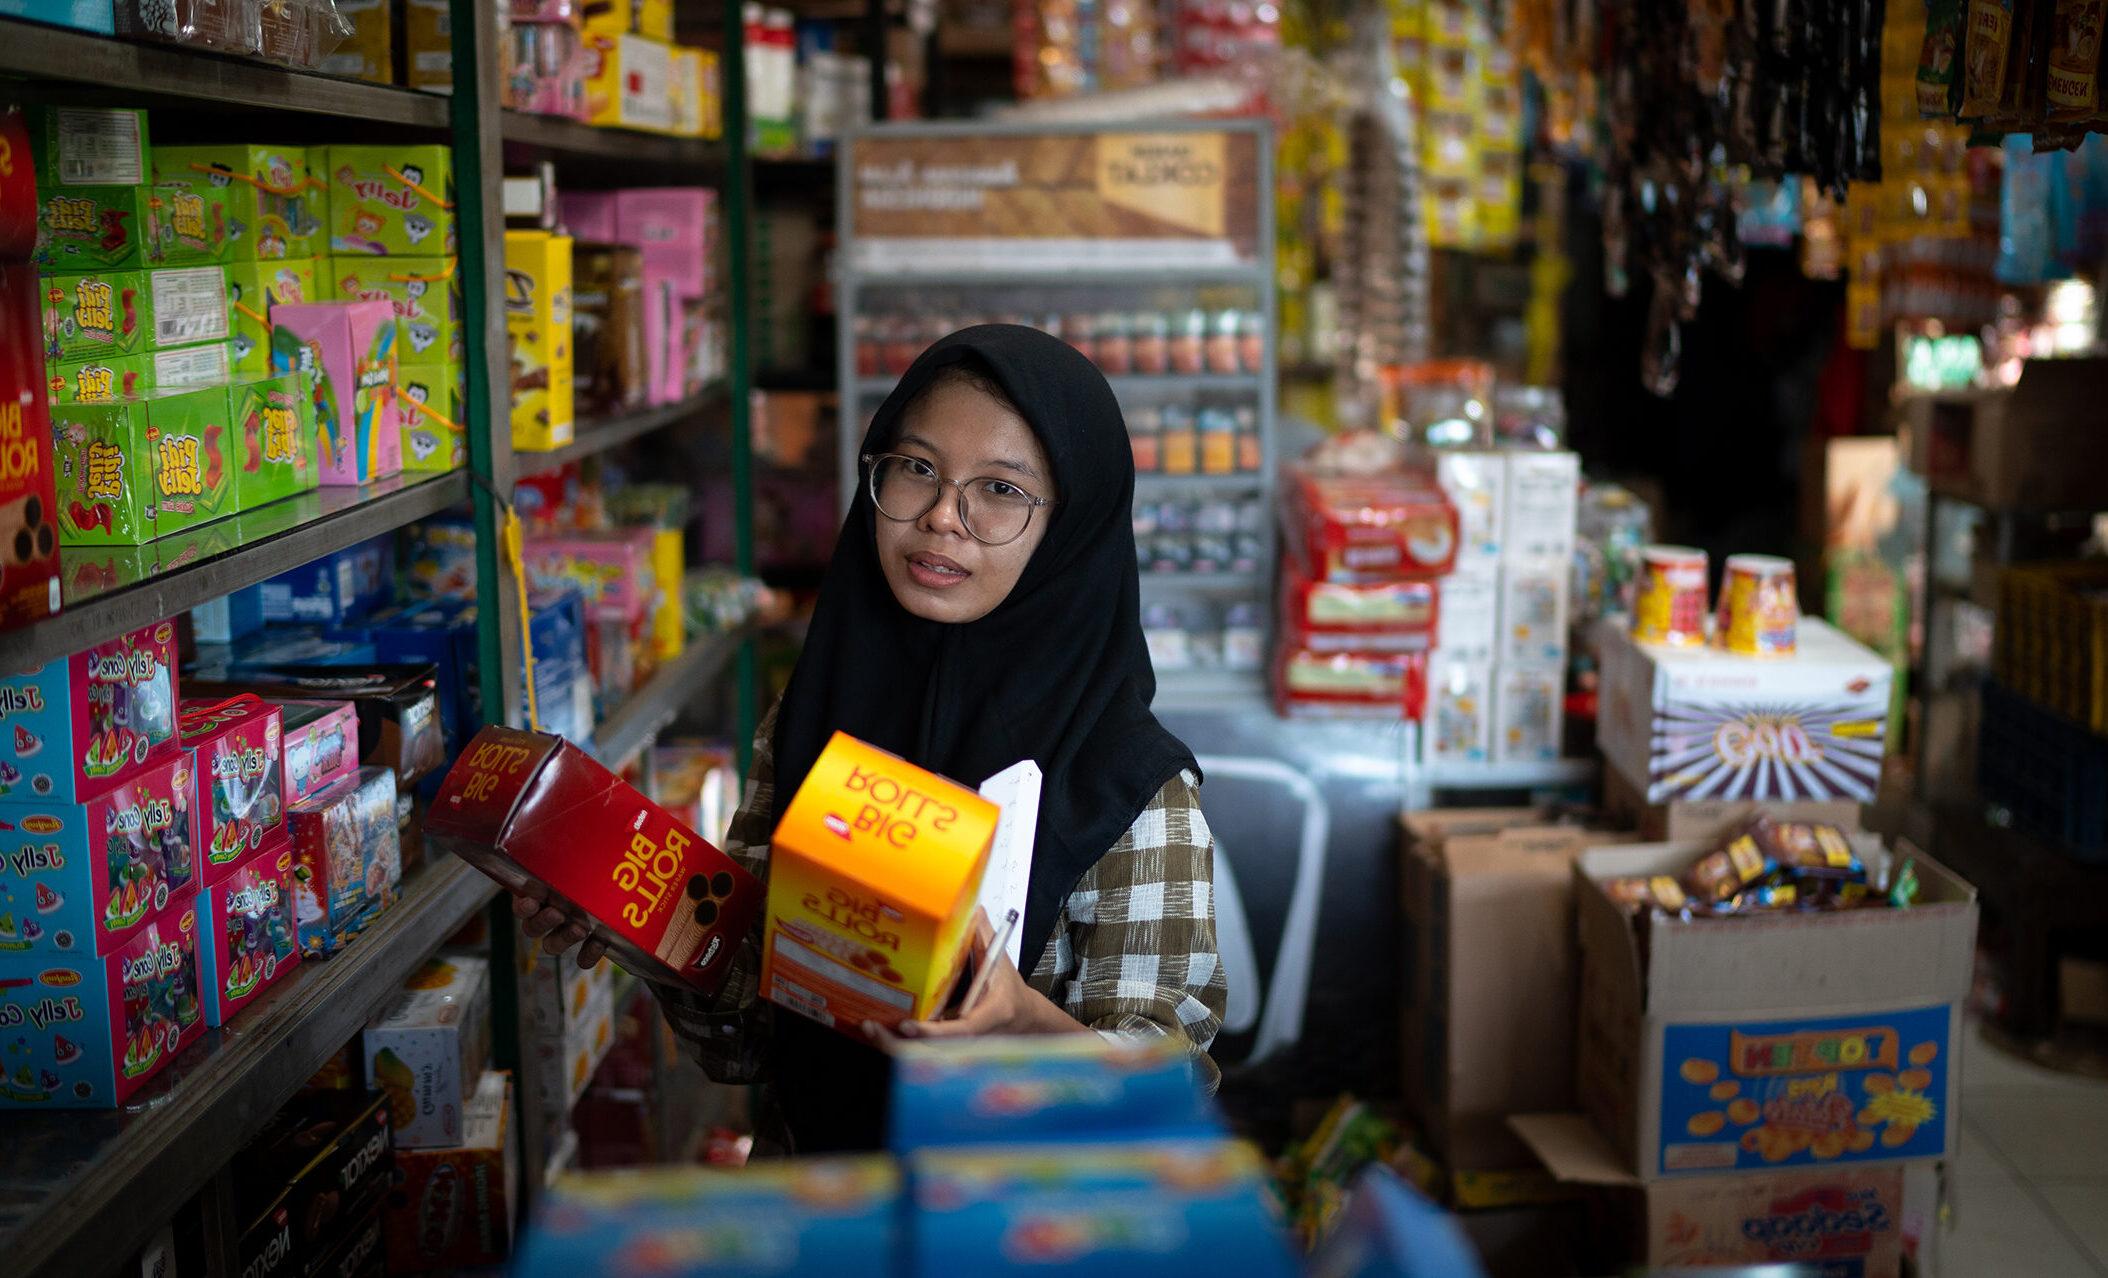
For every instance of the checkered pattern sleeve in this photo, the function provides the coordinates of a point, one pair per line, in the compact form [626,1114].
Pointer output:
[1134,950]
[728,1032]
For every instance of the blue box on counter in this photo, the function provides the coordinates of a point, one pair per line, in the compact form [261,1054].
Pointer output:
[1136,1209]
[230,618]
[295,646]
[335,589]
[801,1218]
[1071,1087]
[98,16]
[1389,1230]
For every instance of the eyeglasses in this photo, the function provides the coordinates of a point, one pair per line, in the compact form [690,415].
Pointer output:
[995,512]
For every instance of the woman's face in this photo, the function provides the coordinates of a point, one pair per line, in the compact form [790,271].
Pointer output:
[937,570]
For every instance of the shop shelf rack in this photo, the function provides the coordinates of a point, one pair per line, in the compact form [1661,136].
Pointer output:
[599,434]
[139,73]
[276,538]
[631,727]
[1133,386]
[559,137]
[87,1188]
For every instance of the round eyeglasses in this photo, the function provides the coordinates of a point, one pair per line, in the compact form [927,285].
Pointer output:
[994,511]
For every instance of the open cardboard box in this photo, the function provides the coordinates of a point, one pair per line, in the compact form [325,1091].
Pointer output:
[1764,1044]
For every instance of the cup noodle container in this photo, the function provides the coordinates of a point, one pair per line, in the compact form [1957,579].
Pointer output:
[1759,609]
[1670,608]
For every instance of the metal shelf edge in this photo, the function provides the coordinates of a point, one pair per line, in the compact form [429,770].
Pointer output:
[97,1224]
[654,705]
[597,435]
[571,137]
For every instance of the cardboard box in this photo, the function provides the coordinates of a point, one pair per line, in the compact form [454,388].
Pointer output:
[97,229]
[570,1058]
[873,876]
[1325,684]
[103,1024]
[1712,1045]
[89,146]
[239,752]
[459,1207]
[612,570]
[432,409]
[538,321]
[629,82]
[1854,1219]
[1460,706]
[223,204]
[1529,713]
[1468,625]
[1699,722]
[80,724]
[1710,820]
[336,589]
[1533,611]
[96,315]
[1477,485]
[89,875]
[29,580]
[274,432]
[397,708]
[254,291]
[1388,615]
[205,364]
[427,1051]
[391,201]
[423,292]
[689,89]
[1491,970]
[2027,449]
[675,228]
[97,379]
[428,46]
[1542,503]
[321,746]
[247,936]
[1352,528]
[607,319]
[369,53]
[538,816]
[136,469]
[311,1180]
[348,351]
[18,186]
[362,1254]
[350,856]
[1017,1090]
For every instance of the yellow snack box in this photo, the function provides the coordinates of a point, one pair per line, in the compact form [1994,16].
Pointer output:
[428,46]
[874,872]
[538,324]
[684,87]
[654,19]
[669,620]
[627,82]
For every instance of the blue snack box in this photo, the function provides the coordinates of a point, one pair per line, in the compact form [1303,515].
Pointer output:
[97,16]
[229,618]
[804,1218]
[1008,1090]
[335,589]
[1389,1230]
[1141,1209]
[440,633]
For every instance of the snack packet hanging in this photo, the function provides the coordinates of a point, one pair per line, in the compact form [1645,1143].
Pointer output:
[1987,52]
[2073,90]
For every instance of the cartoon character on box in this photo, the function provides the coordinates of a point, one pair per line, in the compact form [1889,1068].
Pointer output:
[248,938]
[241,782]
[395,201]
[133,470]
[71,728]
[347,352]
[29,560]
[254,291]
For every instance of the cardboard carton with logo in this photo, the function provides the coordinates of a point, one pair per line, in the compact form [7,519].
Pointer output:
[311,1180]
[96,228]
[222,204]
[274,432]
[427,1051]
[540,817]
[1695,722]
[135,469]
[239,747]
[458,1207]
[254,291]
[29,579]
[873,877]
[75,726]
[347,351]
[390,201]
[1708,820]
[538,320]
[424,292]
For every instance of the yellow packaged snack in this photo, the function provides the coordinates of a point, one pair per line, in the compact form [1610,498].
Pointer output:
[874,873]
[538,324]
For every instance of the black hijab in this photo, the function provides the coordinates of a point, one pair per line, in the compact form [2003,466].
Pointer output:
[1057,673]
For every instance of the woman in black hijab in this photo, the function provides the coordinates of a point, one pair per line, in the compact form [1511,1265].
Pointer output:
[982,607]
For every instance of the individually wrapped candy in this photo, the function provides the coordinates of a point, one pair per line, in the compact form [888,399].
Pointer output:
[1722,873]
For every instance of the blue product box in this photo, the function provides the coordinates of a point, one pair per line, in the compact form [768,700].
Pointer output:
[1389,1230]
[1140,1209]
[98,16]
[442,634]
[1012,1090]
[335,589]
[229,618]
[563,682]
[298,646]
[803,1218]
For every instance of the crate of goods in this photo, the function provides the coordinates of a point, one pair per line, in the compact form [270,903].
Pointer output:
[2051,774]
[2052,643]
[427,1051]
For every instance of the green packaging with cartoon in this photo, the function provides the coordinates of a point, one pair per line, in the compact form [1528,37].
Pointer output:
[391,201]
[254,290]
[95,228]
[426,295]
[274,432]
[429,403]
[134,469]
[96,315]
[83,877]
[88,1030]
[89,146]
[98,379]
[346,351]
[225,204]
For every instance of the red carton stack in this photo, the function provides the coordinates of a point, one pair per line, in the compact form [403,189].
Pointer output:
[29,575]
[1359,600]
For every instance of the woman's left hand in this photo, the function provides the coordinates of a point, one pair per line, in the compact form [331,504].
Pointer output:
[1006,1006]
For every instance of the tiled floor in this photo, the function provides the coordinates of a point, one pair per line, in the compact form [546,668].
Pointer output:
[2029,1191]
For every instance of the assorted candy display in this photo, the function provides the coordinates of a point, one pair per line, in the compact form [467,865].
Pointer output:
[1769,865]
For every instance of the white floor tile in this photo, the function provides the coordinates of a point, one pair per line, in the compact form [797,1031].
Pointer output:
[1975,1161]
[2045,1135]
[2083,1207]
[1987,1069]
[2000,1232]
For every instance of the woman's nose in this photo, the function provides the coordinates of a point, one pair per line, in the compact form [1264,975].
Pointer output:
[944,516]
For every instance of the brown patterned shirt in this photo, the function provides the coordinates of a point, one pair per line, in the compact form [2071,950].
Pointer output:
[1133,950]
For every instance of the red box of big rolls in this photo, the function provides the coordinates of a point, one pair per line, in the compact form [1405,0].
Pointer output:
[29,536]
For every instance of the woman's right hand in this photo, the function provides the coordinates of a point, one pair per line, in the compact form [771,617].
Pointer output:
[557,930]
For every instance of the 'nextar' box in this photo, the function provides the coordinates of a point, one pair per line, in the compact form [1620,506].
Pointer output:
[1747,1044]
[875,869]
[1703,722]
[540,817]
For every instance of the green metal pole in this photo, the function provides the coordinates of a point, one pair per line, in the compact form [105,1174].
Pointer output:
[738,242]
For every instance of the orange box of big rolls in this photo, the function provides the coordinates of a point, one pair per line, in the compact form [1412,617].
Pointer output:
[873,877]
[541,818]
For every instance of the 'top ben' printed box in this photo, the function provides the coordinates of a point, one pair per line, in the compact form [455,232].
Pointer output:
[85,1032]
[80,723]
[874,872]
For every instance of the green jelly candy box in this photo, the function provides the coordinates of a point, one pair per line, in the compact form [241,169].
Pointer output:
[98,379]
[391,201]
[97,315]
[224,204]
[253,289]
[429,400]
[90,146]
[274,433]
[426,295]
[95,228]
[134,469]
[190,305]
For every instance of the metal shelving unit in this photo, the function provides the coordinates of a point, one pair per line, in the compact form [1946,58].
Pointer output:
[568,138]
[650,708]
[599,434]
[88,1188]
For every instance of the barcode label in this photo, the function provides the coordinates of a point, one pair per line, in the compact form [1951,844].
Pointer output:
[190,306]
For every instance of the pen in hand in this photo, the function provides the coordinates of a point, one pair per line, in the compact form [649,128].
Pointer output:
[989,958]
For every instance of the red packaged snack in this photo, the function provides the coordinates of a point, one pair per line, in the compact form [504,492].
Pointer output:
[1369,616]
[241,779]
[1368,528]
[1349,685]
[18,189]
[541,818]
[29,535]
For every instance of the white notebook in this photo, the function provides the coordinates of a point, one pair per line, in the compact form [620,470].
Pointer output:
[1016,791]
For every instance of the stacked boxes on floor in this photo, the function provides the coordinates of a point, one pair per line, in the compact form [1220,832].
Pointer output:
[1497,677]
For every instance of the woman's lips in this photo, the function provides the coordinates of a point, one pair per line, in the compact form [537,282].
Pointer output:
[935,572]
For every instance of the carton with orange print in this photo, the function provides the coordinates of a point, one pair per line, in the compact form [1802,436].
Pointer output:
[874,874]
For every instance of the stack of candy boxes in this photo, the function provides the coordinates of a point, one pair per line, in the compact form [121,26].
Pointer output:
[29,579]
[611,64]
[675,230]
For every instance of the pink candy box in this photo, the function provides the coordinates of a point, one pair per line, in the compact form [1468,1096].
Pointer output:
[670,226]
[240,748]
[349,359]
[81,723]
[613,570]
[247,935]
